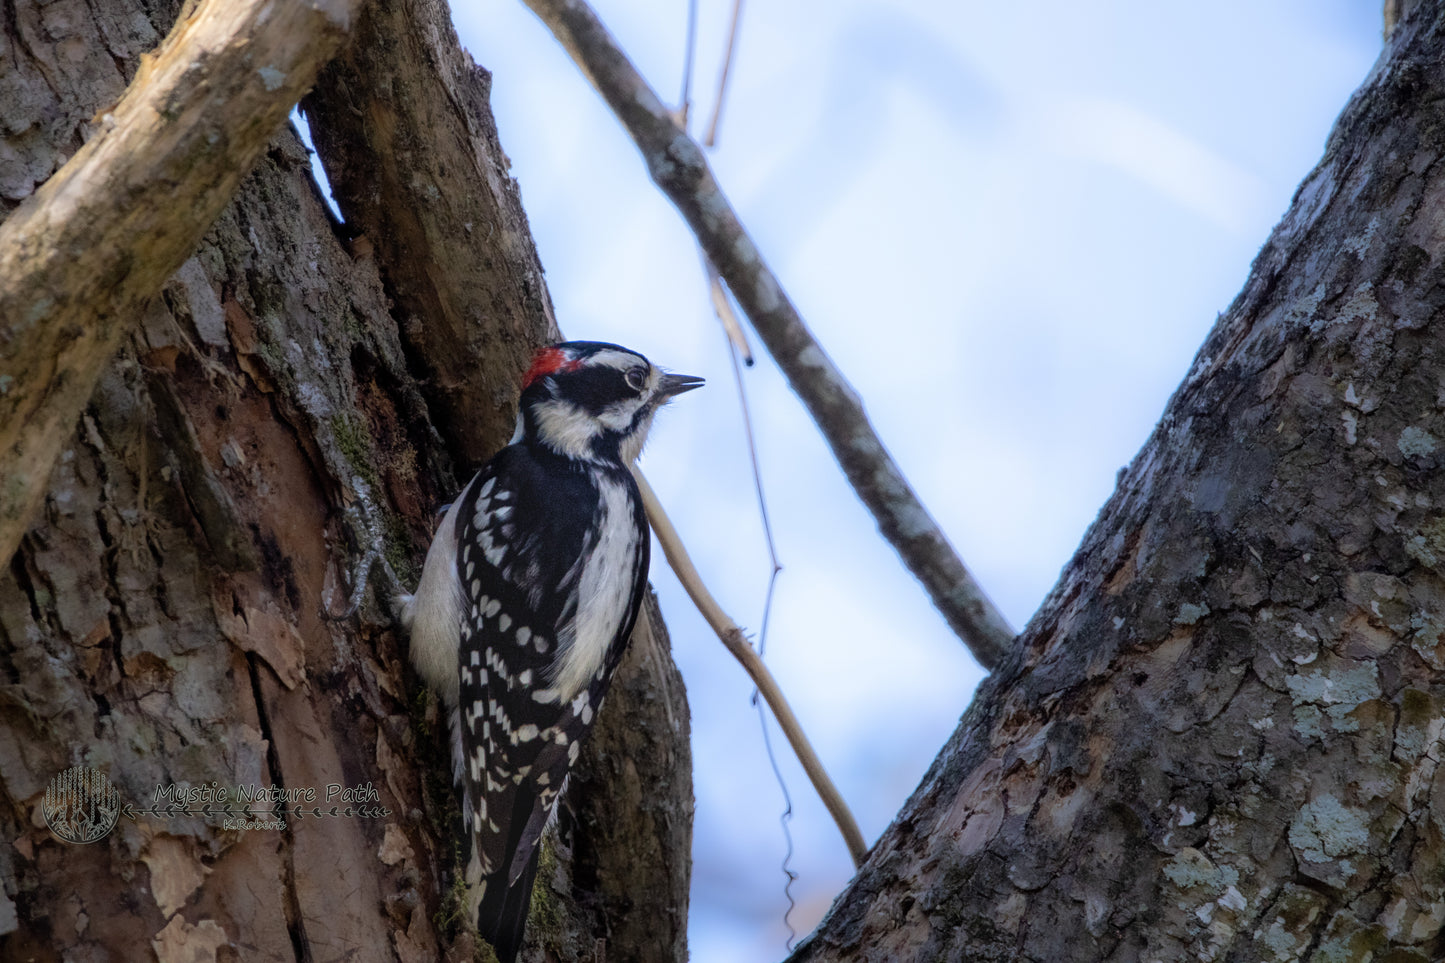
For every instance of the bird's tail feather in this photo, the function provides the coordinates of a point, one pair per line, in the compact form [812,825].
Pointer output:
[502,916]
[506,892]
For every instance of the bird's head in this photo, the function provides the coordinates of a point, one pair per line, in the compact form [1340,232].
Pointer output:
[593,401]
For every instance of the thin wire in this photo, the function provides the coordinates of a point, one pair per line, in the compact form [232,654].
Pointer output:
[783,821]
[762,502]
[787,815]
[785,818]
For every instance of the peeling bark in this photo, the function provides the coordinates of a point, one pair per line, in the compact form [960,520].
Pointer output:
[161,619]
[1220,737]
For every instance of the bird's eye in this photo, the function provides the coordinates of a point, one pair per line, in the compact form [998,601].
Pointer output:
[636,378]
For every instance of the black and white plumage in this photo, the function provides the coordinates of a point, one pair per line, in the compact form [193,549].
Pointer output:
[527,599]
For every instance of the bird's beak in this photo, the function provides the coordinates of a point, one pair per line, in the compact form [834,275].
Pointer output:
[676,384]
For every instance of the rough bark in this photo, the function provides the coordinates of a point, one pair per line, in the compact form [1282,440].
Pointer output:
[1219,739]
[1397,10]
[161,620]
[404,129]
[91,247]
[403,126]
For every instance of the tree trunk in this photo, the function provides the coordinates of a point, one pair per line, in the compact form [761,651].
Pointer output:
[1219,737]
[286,397]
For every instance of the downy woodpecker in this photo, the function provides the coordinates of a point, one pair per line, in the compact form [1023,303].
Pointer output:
[526,602]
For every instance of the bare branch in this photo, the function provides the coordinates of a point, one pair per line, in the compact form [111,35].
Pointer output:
[679,168]
[82,255]
[732,638]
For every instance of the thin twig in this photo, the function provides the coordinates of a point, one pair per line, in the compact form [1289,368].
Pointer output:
[722,81]
[678,166]
[732,638]
[684,104]
[725,314]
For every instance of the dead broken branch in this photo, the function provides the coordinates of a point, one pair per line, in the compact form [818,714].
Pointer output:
[82,256]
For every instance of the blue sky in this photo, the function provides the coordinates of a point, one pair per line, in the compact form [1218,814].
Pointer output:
[1011,230]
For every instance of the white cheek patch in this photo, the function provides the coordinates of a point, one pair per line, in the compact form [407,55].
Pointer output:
[566,428]
[618,415]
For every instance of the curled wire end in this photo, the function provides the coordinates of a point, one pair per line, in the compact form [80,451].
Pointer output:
[783,820]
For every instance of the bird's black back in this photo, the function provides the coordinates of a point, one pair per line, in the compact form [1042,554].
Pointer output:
[526,524]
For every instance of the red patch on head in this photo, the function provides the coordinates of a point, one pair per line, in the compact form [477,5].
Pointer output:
[548,361]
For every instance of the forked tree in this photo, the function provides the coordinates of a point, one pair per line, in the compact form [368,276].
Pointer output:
[1217,739]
